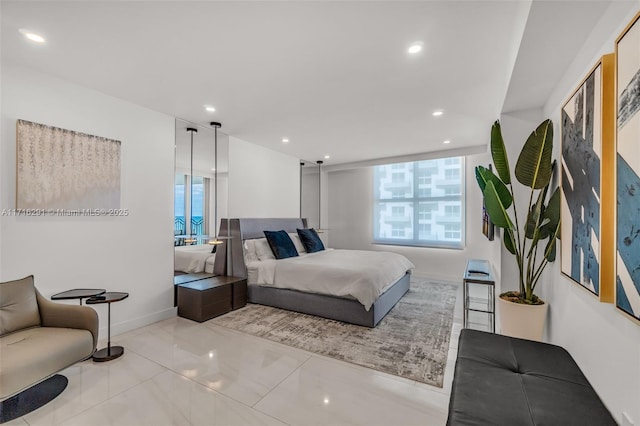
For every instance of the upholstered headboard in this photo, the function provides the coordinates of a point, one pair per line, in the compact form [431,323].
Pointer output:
[238,230]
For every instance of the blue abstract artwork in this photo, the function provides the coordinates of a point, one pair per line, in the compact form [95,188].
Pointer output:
[628,172]
[581,164]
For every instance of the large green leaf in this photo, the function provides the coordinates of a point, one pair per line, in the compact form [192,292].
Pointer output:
[534,217]
[550,250]
[484,175]
[508,242]
[480,178]
[495,209]
[533,168]
[552,212]
[499,153]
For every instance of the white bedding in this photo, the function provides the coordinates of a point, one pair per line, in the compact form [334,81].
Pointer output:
[192,259]
[362,275]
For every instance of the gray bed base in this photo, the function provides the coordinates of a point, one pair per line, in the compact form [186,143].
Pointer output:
[337,308]
[332,307]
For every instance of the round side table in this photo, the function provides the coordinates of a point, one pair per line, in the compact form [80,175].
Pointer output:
[110,352]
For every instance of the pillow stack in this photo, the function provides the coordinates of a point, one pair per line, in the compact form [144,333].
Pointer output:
[283,246]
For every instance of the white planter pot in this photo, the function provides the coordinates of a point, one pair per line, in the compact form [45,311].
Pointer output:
[520,320]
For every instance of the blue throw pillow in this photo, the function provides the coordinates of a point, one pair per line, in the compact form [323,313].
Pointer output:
[281,244]
[310,240]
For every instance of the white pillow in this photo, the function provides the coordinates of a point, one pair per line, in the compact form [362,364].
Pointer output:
[263,250]
[250,251]
[297,242]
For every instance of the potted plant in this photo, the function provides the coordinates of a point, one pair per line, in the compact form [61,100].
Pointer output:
[532,241]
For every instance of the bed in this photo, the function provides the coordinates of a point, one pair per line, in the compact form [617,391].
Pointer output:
[194,258]
[297,294]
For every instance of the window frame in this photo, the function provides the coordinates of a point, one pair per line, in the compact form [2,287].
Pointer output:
[415,201]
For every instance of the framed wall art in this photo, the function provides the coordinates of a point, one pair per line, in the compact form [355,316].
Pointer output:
[63,169]
[628,170]
[587,131]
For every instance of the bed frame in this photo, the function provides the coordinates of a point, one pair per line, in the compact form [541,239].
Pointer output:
[348,310]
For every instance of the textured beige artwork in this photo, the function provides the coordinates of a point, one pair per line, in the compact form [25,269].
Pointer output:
[62,169]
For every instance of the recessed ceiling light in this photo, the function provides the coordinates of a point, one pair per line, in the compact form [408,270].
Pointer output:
[415,47]
[37,38]
[209,108]
[437,113]
[213,169]
[447,141]
[326,157]
[285,140]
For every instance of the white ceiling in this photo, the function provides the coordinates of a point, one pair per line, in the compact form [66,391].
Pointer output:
[333,77]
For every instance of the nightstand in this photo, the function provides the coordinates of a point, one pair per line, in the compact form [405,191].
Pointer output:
[208,298]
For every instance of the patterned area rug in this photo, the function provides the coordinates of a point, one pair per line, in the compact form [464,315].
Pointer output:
[412,341]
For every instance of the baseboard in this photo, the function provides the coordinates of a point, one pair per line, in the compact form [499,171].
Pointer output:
[125,326]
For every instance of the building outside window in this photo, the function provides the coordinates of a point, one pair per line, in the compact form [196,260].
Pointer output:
[397,177]
[424,208]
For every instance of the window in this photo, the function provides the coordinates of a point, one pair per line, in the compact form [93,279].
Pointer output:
[197,221]
[424,212]
[452,211]
[397,211]
[179,227]
[186,204]
[452,173]
[424,231]
[452,231]
[424,192]
[398,193]
[453,161]
[397,230]
[424,178]
[397,177]
[428,210]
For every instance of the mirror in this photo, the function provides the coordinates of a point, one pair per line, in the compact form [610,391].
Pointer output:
[310,193]
[195,193]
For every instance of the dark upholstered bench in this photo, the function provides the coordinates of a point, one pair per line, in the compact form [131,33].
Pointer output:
[501,380]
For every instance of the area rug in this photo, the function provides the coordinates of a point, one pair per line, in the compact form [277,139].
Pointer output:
[412,341]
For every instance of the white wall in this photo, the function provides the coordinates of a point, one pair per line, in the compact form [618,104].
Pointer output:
[350,203]
[132,254]
[262,182]
[604,342]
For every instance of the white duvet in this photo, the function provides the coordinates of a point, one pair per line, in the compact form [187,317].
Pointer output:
[358,274]
[192,259]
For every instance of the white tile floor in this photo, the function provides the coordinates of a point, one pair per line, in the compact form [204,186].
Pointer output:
[178,372]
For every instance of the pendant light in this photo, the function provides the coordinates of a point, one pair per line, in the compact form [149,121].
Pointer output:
[191,238]
[319,230]
[301,166]
[215,241]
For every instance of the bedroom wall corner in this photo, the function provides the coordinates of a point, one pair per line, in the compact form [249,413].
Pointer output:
[263,183]
[131,253]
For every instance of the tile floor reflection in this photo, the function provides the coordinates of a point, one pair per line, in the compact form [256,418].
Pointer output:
[179,372]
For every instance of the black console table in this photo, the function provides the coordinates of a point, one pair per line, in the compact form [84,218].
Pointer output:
[479,273]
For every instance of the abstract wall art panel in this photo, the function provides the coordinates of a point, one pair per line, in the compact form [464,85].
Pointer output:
[63,169]
[581,164]
[628,170]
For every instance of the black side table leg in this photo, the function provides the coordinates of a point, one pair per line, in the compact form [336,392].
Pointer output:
[110,352]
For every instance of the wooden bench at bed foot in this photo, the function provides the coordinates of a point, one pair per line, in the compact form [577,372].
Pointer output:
[500,380]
